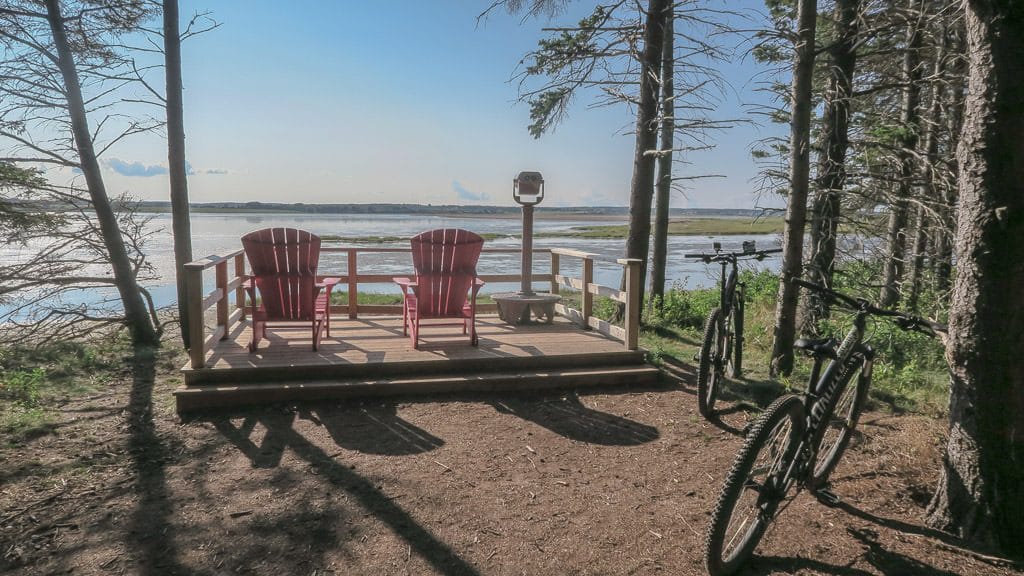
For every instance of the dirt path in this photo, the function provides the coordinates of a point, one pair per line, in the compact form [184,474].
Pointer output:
[608,483]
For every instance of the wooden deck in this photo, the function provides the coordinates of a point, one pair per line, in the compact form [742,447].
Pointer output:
[370,356]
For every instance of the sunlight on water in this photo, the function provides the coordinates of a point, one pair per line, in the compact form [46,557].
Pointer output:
[219,234]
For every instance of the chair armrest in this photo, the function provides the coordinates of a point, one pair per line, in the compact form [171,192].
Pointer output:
[405,283]
[328,282]
[477,282]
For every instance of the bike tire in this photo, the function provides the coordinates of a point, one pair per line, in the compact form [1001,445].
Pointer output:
[707,376]
[839,425]
[736,367]
[776,433]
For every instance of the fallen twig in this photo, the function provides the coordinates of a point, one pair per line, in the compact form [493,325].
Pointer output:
[45,500]
[447,469]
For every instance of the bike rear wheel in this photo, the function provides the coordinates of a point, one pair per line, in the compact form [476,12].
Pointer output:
[839,425]
[755,486]
[709,365]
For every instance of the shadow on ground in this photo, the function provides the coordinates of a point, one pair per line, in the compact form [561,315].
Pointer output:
[280,433]
[150,532]
[567,416]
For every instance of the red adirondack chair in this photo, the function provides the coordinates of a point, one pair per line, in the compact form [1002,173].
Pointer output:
[284,262]
[445,264]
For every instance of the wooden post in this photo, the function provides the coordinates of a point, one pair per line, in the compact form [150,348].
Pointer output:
[587,299]
[633,279]
[194,301]
[240,291]
[554,272]
[222,304]
[353,287]
[526,287]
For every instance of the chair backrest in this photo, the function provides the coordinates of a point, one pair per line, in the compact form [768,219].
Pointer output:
[284,262]
[445,262]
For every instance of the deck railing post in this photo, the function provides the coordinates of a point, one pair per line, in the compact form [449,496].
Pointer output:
[353,286]
[240,291]
[632,302]
[222,304]
[554,273]
[586,298]
[197,334]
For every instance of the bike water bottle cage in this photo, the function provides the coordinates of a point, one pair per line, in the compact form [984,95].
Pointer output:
[823,347]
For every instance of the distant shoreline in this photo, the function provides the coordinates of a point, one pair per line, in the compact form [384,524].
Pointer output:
[607,213]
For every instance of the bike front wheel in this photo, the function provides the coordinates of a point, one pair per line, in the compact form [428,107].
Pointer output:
[838,425]
[755,486]
[709,365]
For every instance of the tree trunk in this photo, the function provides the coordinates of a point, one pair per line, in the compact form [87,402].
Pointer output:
[896,236]
[825,209]
[642,190]
[954,117]
[980,495]
[664,185]
[180,223]
[931,192]
[799,174]
[136,317]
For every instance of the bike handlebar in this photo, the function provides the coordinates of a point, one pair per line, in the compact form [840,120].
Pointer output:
[904,321]
[730,256]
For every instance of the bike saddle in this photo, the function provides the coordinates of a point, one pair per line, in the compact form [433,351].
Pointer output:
[817,347]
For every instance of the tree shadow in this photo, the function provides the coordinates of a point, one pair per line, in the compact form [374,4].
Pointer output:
[793,565]
[897,525]
[373,429]
[567,416]
[756,394]
[889,562]
[280,434]
[150,533]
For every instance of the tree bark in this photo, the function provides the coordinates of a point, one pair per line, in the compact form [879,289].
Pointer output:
[136,316]
[180,223]
[826,207]
[642,189]
[664,184]
[799,174]
[894,265]
[980,495]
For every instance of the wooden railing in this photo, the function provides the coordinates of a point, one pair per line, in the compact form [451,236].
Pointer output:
[200,302]
[629,298]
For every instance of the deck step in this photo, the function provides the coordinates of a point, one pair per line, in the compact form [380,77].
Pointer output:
[441,367]
[195,397]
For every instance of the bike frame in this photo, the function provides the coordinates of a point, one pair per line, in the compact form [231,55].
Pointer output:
[821,395]
[729,285]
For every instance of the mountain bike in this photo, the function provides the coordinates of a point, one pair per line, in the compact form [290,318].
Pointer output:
[721,352]
[798,440]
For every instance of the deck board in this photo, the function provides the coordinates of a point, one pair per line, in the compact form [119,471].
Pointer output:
[379,340]
[370,356]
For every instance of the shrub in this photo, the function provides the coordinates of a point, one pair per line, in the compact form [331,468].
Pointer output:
[23,386]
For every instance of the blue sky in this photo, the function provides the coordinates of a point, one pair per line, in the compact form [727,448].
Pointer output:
[405,101]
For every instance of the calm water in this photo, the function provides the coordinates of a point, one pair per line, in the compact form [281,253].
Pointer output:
[220,233]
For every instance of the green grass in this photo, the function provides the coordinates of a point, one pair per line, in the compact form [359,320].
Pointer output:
[910,372]
[688,227]
[340,298]
[34,379]
[487,236]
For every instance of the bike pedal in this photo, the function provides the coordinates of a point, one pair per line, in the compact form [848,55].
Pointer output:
[827,497]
